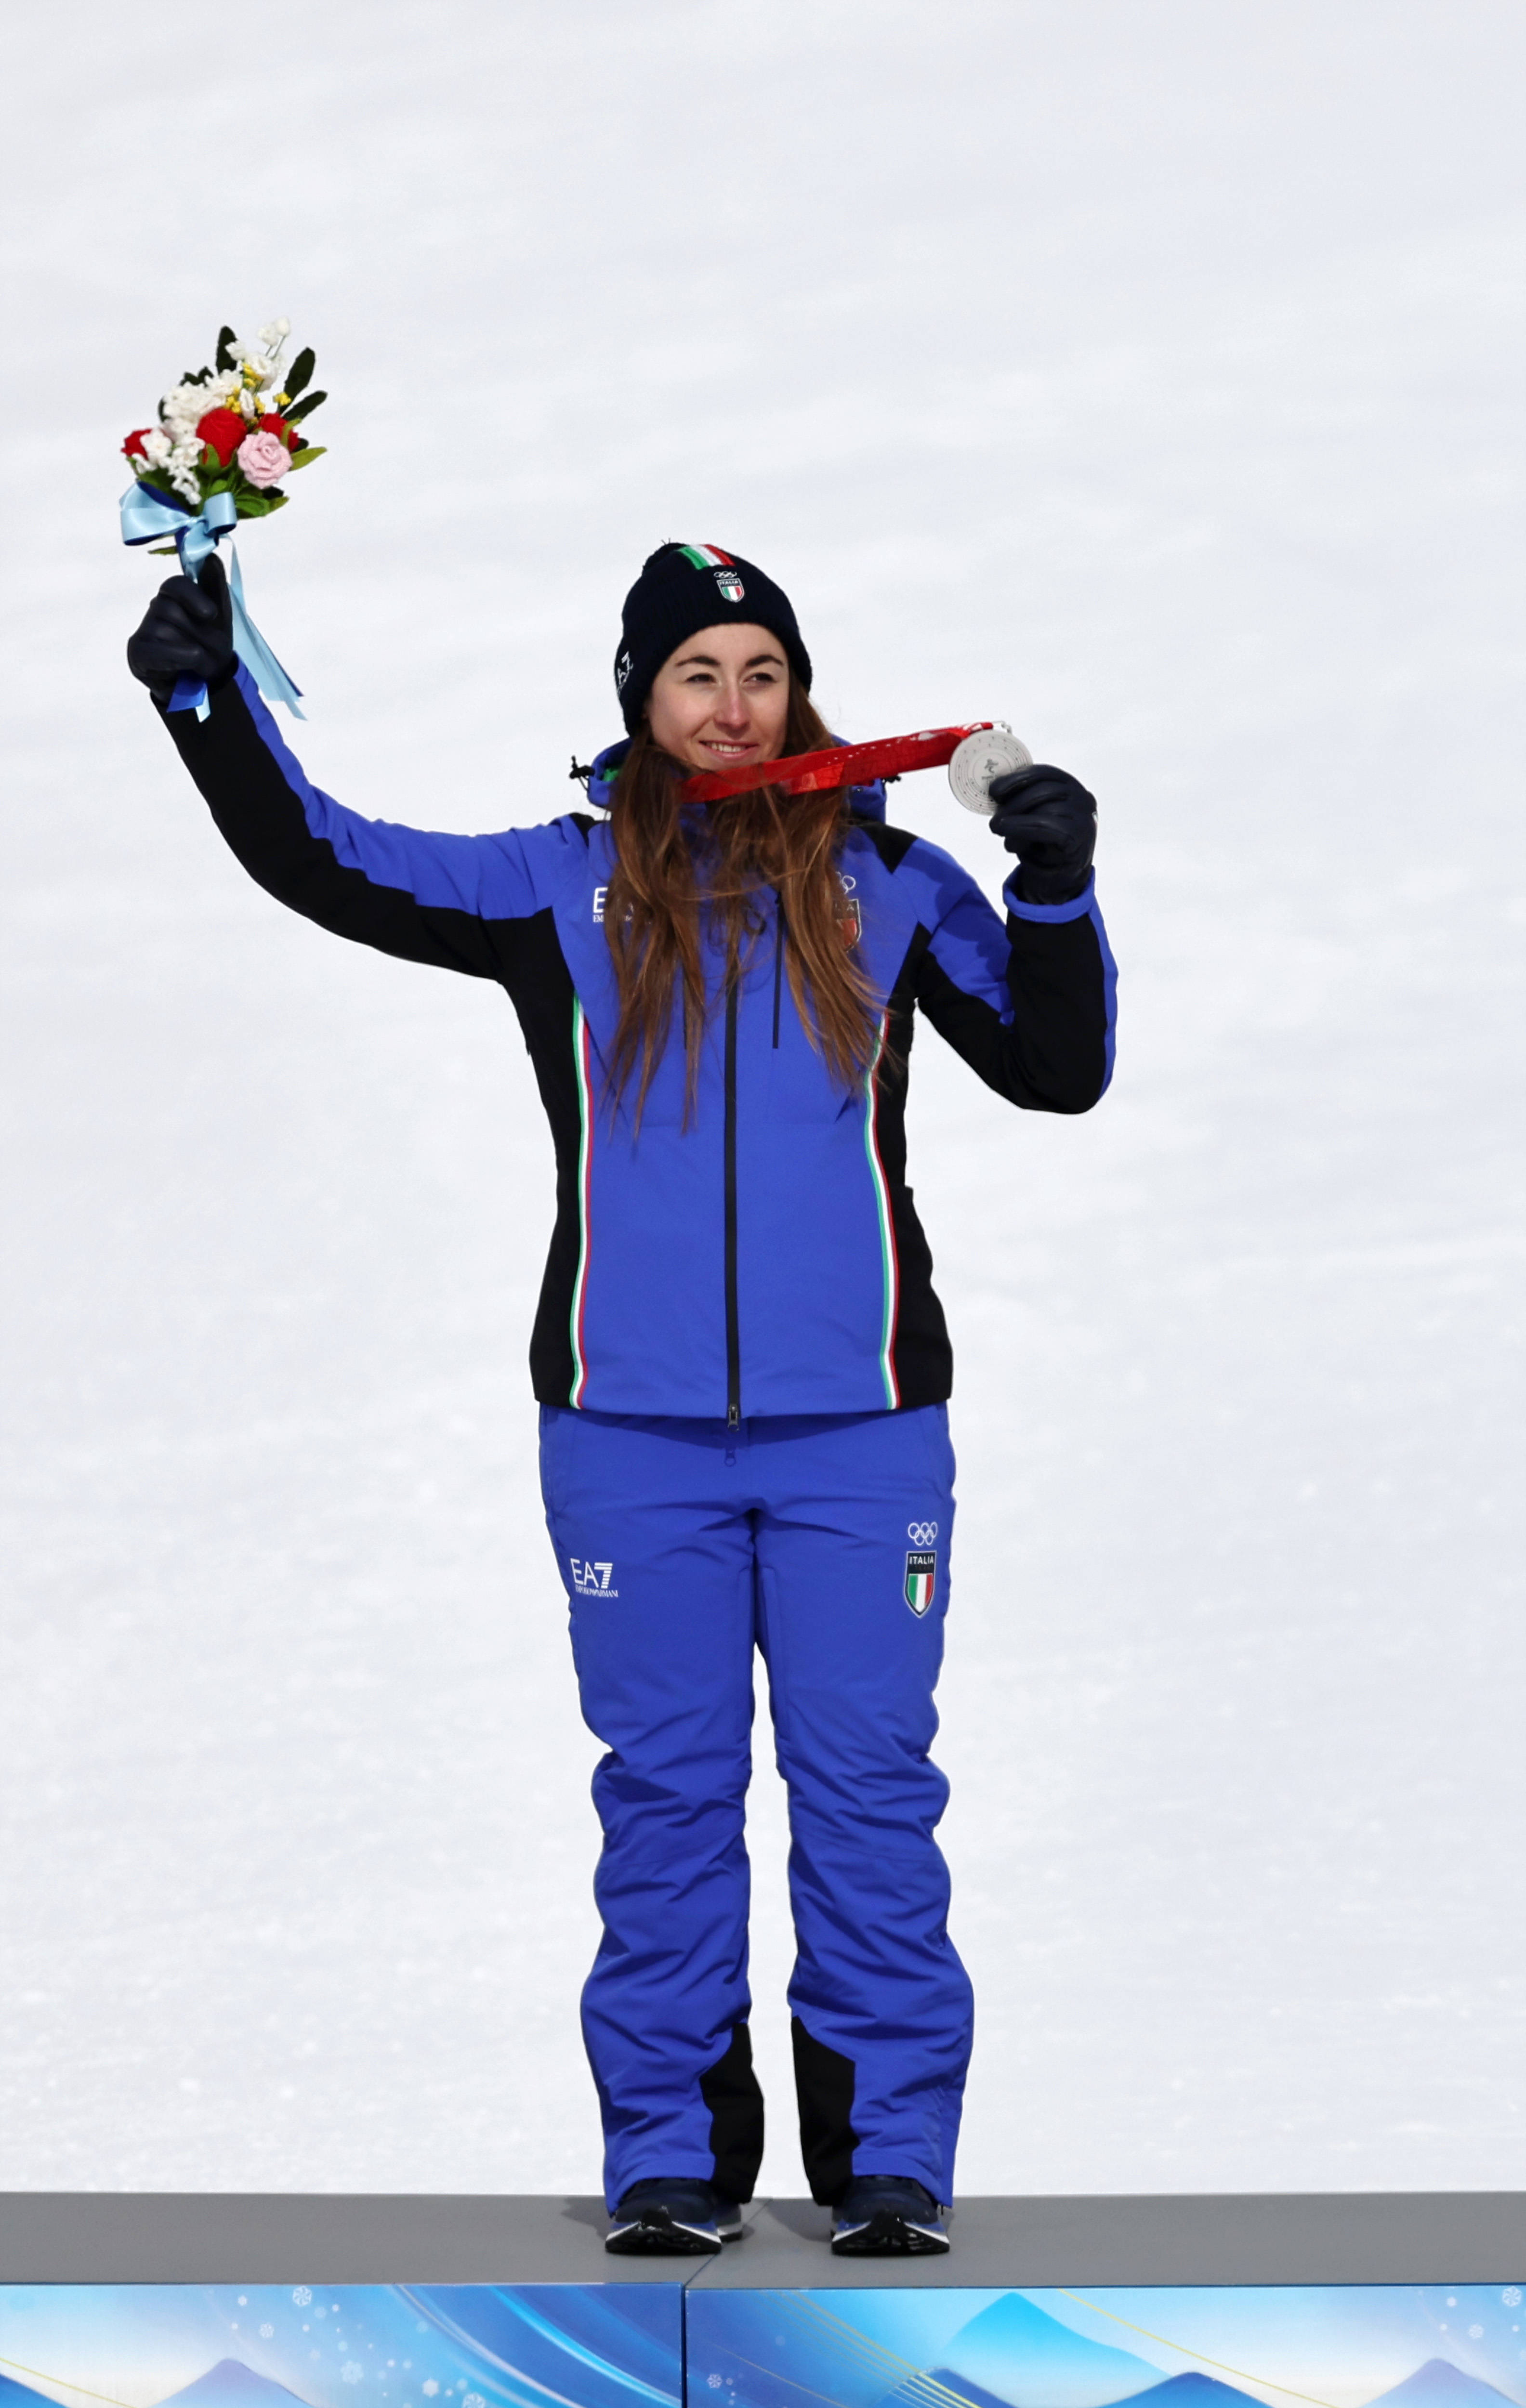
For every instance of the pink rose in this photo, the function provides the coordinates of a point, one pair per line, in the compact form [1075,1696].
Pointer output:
[264,458]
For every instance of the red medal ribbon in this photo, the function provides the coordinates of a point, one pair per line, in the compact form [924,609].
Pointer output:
[845,765]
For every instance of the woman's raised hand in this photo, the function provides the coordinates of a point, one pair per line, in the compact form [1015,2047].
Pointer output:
[187,631]
[1049,820]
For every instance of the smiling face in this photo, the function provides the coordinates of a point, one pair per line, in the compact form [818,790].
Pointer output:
[721,698]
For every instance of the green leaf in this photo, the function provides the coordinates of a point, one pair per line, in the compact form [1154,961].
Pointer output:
[302,407]
[224,357]
[198,376]
[161,551]
[252,504]
[309,452]
[300,375]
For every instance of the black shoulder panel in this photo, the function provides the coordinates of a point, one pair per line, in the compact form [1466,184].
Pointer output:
[892,844]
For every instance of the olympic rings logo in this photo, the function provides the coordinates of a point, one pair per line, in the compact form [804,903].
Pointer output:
[921,1534]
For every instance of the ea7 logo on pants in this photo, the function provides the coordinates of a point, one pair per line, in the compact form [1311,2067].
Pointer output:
[592,1579]
[921,1578]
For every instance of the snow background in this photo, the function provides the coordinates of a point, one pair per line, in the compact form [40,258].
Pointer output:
[1146,375]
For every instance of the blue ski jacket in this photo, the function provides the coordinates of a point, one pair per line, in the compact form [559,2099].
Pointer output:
[767,1257]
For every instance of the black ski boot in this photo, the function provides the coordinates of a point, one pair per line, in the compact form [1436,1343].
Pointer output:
[673,2219]
[887,2216]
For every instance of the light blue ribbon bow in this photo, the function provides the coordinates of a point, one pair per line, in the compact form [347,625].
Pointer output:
[146,515]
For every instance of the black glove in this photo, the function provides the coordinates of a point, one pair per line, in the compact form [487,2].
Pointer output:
[187,631]
[1049,820]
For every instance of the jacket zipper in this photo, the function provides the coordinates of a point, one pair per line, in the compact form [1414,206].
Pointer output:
[781,934]
[733,1331]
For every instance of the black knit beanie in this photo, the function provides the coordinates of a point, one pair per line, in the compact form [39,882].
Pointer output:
[681,588]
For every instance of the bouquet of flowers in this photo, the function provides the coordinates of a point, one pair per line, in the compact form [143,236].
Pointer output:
[226,437]
[232,428]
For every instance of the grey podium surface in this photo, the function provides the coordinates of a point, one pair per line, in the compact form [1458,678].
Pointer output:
[1358,2237]
[267,2237]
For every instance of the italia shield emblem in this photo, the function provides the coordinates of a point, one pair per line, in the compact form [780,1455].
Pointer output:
[921,1578]
[730,583]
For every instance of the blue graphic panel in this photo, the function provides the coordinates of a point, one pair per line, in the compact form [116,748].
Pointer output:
[351,2346]
[1352,2346]
[623,2346]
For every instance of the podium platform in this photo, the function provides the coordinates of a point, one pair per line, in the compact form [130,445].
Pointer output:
[259,2301]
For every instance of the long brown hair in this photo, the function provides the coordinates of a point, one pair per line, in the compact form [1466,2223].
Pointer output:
[682,867]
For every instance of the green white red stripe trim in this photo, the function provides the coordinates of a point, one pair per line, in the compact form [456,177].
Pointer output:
[891,1267]
[706,556]
[583,1063]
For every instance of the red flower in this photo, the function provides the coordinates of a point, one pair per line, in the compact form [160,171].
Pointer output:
[224,430]
[134,446]
[273,424]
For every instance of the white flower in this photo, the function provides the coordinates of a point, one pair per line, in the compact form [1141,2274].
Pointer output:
[156,447]
[183,462]
[256,360]
[273,336]
[183,406]
[187,402]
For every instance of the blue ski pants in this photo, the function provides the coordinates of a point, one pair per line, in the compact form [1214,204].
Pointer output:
[823,1541]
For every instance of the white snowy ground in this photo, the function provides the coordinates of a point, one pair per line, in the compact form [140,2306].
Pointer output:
[1144,374]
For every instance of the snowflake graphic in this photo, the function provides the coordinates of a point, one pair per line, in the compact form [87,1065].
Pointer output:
[715,2381]
[1511,2295]
[266,2332]
[301,2297]
[429,2388]
[474,2400]
[1475,2332]
[350,2373]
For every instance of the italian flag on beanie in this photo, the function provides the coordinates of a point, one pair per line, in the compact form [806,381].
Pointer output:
[681,588]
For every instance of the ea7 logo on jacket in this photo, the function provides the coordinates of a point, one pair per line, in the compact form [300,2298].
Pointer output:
[921,1578]
[592,1579]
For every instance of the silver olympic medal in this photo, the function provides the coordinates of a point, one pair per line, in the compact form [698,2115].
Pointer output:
[990,753]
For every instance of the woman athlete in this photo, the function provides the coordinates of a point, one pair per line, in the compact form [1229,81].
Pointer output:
[742,1365]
